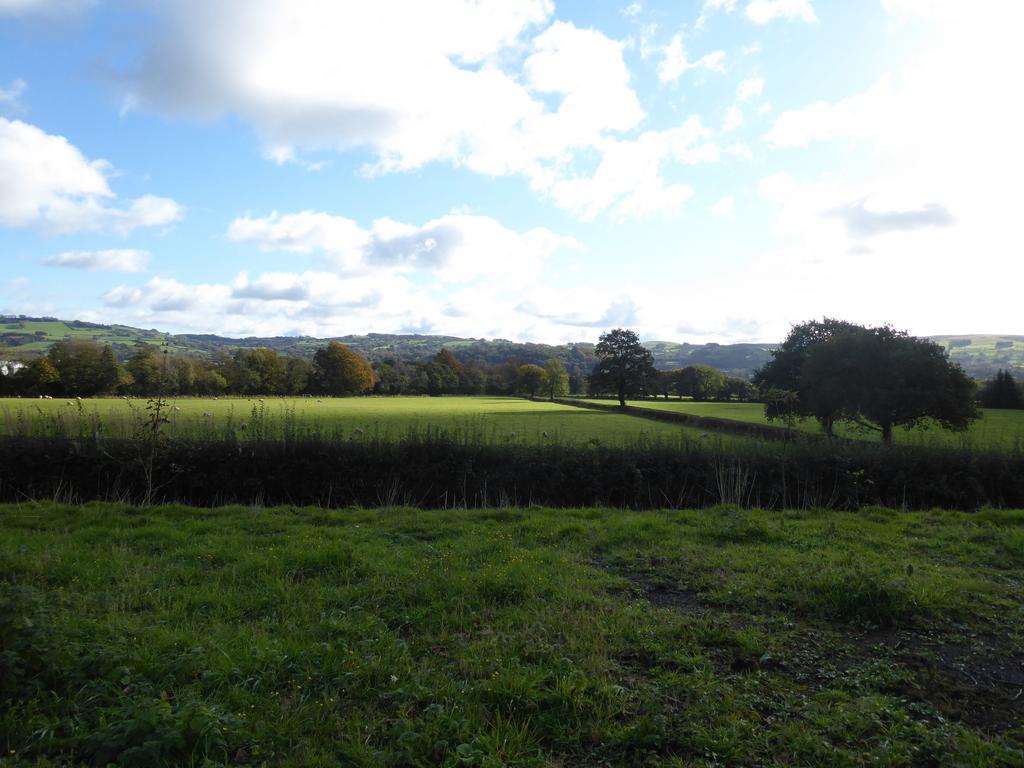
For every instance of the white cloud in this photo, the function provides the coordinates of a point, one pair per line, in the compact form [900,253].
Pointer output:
[733,119]
[455,248]
[426,87]
[723,207]
[115,260]
[674,62]
[629,180]
[283,155]
[167,295]
[303,232]
[494,88]
[764,11]
[632,10]
[586,70]
[10,97]
[49,183]
[711,7]
[864,116]
[328,304]
[749,89]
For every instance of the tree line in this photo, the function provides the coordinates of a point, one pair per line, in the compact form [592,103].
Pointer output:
[87,368]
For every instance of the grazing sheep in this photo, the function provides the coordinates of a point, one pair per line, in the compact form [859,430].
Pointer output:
[70,403]
[545,434]
[243,426]
[207,415]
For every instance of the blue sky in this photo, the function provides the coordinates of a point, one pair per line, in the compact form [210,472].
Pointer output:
[713,170]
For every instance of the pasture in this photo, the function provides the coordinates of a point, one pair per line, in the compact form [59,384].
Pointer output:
[520,637]
[481,419]
[996,429]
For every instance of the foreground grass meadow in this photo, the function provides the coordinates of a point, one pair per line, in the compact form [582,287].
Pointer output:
[488,419]
[519,637]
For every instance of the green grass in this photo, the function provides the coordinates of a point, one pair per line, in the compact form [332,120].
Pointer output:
[496,419]
[519,637]
[998,429]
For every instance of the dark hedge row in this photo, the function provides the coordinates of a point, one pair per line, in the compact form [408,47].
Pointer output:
[432,473]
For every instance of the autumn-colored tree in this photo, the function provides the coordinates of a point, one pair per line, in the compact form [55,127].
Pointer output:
[337,370]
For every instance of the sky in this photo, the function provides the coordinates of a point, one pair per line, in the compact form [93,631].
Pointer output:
[701,170]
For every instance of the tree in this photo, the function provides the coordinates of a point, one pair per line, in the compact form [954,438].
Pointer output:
[700,382]
[86,367]
[267,370]
[441,378]
[391,378]
[624,365]
[39,377]
[147,370]
[738,389]
[783,373]
[556,379]
[530,378]
[1001,392]
[880,379]
[210,382]
[337,370]
[297,374]
[445,373]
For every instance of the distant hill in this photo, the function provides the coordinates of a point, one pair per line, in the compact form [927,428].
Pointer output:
[982,355]
[25,337]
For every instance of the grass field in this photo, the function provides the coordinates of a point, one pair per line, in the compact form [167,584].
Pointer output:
[1001,429]
[49,331]
[301,636]
[496,419]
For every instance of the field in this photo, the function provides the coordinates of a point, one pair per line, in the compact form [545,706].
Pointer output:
[36,336]
[492,419]
[999,429]
[302,636]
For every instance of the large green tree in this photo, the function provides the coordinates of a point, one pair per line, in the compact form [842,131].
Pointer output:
[530,379]
[781,379]
[556,379]
[624,366]
[700,382]
[337,370]
[86,367]
[880,379]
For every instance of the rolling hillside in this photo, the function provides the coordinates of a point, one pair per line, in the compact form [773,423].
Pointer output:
[25,337]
